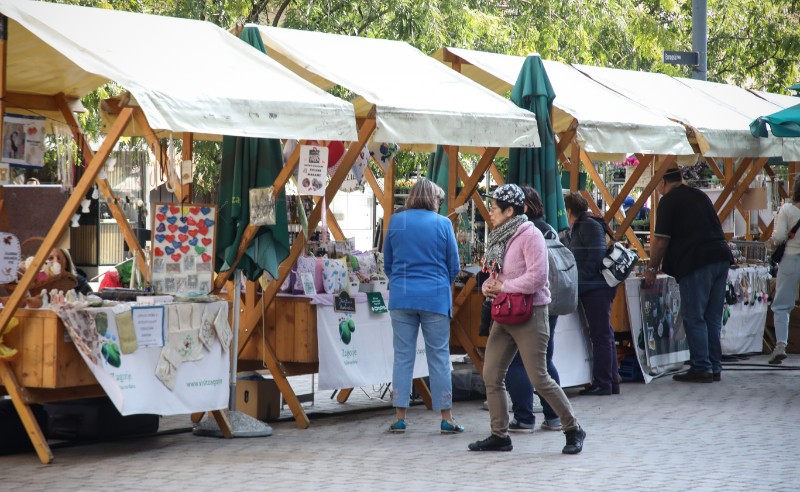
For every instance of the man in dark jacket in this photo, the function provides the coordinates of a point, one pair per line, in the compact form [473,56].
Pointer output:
[689,241]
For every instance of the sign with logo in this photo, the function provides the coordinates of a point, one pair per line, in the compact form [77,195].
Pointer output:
[376,303]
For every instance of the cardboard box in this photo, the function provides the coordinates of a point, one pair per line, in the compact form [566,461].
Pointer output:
[258,398]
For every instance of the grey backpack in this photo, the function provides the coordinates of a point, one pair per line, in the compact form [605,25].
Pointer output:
[563,276]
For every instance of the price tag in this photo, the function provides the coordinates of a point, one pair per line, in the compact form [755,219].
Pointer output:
[343,303]
[376,303]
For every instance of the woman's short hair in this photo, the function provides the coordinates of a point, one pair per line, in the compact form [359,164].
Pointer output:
[503,205]
[796,191]
[576,204]
[534,203]
[425,195]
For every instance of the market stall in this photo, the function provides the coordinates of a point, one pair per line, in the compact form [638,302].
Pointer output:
[49,58]
[412,111]
[657,327]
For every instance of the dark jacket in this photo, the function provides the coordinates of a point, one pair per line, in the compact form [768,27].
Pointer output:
[587,241]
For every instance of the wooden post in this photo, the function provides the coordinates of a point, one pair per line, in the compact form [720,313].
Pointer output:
[186,155]
[3,73]
[25,414]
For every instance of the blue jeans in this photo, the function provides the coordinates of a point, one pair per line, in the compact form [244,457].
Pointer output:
[436,332]
[785,295]
[520,388]
[702,301]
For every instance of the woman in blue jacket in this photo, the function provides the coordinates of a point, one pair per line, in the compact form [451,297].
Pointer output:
[588,244]
[421,260]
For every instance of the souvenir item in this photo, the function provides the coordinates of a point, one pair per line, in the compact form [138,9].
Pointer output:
[262,206]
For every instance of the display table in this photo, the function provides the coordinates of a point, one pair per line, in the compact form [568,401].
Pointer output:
[49,368]
[657,326]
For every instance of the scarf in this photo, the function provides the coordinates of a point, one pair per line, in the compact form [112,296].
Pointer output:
[496,244]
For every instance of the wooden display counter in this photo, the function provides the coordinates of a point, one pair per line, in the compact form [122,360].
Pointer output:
[46,358]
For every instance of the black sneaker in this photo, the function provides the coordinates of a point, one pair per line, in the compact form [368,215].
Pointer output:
[492,443]
[694,377]
[575,439]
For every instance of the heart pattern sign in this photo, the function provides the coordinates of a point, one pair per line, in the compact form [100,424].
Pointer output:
[183,248]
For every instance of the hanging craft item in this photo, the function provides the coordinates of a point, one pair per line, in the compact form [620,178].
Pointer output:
[9,257]
[311,176]
[24,143]
[383,153]
[186,172]
[183,248]
[355,178]
[262,206]
[336,150]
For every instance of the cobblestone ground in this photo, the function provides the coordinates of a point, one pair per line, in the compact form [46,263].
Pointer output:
[740,434]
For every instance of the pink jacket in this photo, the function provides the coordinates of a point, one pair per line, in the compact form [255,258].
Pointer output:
[525,265]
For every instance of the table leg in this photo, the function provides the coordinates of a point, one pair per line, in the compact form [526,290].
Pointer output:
[25,414]
[344,394]
[223,423]
[424,392]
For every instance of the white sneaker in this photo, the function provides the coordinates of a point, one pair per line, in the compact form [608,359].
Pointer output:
[778,354]
[486,405]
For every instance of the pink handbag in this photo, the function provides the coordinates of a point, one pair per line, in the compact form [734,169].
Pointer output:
[512,309]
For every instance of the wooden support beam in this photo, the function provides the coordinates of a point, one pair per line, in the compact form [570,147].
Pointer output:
[187,149]
[41,102]
[460,332]
[742,188]
[366,130]
[35,433]
[476,199]
[223,423]
[424,392]
[344,394]
[665,164]
[388,196]
[333,225]
[771,173]
[598,182]
[626,189]
[102,184]
[62,221]
[732,181]
[471,183]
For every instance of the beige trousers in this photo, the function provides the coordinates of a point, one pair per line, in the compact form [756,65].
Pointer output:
[531,339]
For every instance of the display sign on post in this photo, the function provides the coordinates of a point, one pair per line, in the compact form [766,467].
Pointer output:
[313,170]
[183,248]
[23,140]
[9,257]
[149,325]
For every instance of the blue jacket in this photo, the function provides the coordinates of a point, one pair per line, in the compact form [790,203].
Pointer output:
[420,257]
[588,244]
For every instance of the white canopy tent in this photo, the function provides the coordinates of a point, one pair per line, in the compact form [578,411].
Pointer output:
[719,130]
[187,75]
[608,125]
[416,99]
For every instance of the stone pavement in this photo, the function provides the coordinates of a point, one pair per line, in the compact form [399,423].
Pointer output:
[740,434]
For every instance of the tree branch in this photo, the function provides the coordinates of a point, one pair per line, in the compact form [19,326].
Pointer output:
[258,7]
[280,12]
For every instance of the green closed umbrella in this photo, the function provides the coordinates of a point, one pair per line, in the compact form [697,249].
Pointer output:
[784,123]
[250,163]
[537,167]
[439,172]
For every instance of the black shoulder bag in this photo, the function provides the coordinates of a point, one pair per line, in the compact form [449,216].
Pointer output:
[777,255]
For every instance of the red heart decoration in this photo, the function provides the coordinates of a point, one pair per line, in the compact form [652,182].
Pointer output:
[176,257]
[206,241]
[190,221]
[335,152]
[193,232]
[172,227]
[169,237]
[206,258]
[174,209]
[184,248]
[182,238]
[194,210]
[202,228]
[161,217]
[158,252]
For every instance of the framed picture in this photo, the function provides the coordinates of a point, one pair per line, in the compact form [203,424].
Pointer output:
[183,245]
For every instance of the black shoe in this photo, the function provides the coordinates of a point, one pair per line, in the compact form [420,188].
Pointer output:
[694,377]
[615,389]
[575,439]
[716,376]
[596,391]
[493,443]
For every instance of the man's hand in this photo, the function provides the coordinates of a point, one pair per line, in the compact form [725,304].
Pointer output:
[649,279]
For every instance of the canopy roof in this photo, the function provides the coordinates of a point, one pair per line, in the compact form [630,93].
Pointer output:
[605,122]
[187,75]
[720,131]
[780,100]
[417,100]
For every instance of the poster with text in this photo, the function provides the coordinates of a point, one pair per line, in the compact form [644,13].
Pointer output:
[313,170]
[183,248]
[23,140]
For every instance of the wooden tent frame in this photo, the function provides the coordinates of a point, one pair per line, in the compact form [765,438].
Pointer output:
[22,397]
[255,306]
